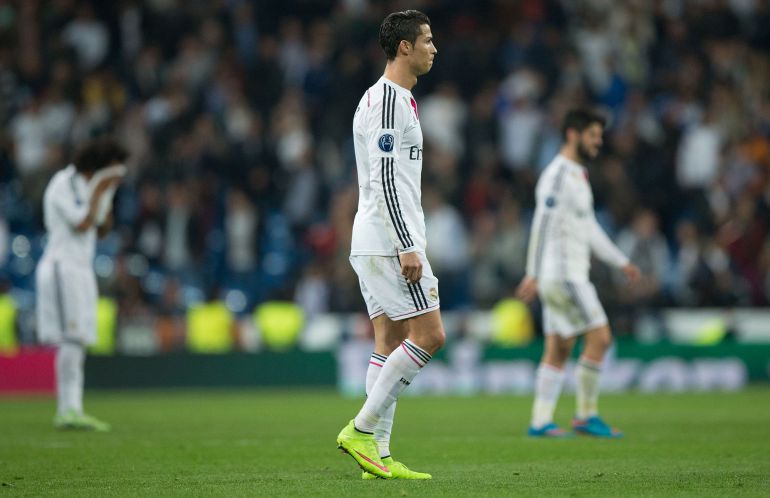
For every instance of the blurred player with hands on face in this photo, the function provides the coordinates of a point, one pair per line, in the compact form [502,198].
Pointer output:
[77,208]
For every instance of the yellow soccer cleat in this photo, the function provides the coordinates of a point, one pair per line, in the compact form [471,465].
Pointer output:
[79,422]
[399,471]
[363,448]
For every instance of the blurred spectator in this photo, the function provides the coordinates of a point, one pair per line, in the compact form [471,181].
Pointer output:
[687,260]
[29,135]
[447,248]
[241,221]
[170,324]
[442,119]
[699,155]
[313,291]
[520,119]
[293,53]
[485,281]
[595,45]
[646,248]
[4,241]
[302,192]
[511,241]
[88,36]
[743,236]
[698,163]
[180,228]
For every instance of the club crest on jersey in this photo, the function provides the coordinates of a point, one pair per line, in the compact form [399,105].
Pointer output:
[433,294]
[386,142]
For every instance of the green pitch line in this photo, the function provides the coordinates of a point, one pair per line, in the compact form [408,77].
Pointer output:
[282,443]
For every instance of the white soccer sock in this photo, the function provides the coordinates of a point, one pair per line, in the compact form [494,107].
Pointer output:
[399,370]
[385,424]
[548,383]
[587,375]
[69,378]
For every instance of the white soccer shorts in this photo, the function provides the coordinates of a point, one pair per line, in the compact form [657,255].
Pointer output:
[386,291]
[570,308]
[67,297]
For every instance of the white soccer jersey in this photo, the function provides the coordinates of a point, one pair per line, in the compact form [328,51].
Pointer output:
[564,229]
[388,147]
[67,293]
[65,205]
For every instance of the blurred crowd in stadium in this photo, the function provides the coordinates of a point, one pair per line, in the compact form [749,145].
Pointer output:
[242,182]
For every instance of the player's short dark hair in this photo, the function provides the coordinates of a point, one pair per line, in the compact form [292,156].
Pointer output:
[580,119]
[400,26]
[99,153]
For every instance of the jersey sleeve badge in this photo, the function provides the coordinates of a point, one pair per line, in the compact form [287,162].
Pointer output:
[386,142]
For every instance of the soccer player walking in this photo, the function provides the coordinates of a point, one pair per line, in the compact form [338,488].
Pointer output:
[564,234]
[76,206]
[388,244]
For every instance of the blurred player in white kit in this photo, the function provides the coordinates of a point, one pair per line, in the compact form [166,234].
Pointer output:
[564,235]
[76,208]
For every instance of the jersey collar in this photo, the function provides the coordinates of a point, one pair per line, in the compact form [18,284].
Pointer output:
[572,163]
[396,85]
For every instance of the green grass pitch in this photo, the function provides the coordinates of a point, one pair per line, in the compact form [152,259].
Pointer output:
[282,443]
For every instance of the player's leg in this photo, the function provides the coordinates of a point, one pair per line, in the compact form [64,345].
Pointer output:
[70,360]
[76,300]
[597,341]
[54,317]
[388,335]
[362,445]
[50,326]
[588,376]
[549,380]
[560,328]
[403,364]
[426,336]
[417,305]
[417,309]
[70,357]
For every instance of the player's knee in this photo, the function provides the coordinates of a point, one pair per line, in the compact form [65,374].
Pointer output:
[607,342]
[600,342]
[440,339]
[605,339]
[555,357]
[391,343]
[554,361]
[433,341]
